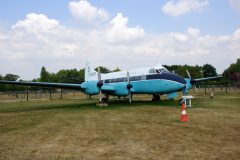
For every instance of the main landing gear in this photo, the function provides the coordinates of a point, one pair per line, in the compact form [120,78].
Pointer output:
[103,101]
[156,97]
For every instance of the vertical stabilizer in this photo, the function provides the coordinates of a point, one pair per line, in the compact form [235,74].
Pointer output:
[90,73]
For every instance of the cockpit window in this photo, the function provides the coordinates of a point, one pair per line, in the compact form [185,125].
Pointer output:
[159,71]
[163,70]
[152,70]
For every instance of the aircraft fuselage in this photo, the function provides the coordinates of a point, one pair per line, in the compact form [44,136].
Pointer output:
[146,84]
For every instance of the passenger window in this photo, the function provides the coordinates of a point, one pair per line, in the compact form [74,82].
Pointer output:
[137,78]
[143,77]
[131,78]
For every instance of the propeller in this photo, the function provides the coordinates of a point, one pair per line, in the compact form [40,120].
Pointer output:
[99,84]
[192,81]
[129,86]
[189,75]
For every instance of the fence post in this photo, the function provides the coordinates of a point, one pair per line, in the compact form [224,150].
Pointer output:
[61,94]
[226,88]
[27,94]
[205,88]
[50,94]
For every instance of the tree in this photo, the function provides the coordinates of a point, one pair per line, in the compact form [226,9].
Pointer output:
[209,70]
[68,76]
[195,71]
[116,70]
[11,77]
[172,68]
[103,69]
[1,86]
[44,75]
[81,74]
[233,71]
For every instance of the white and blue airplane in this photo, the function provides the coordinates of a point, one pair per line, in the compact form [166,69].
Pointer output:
[155,80]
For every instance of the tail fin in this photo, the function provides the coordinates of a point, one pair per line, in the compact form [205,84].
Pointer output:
[90,73]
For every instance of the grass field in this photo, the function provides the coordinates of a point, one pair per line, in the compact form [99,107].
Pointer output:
[77,129]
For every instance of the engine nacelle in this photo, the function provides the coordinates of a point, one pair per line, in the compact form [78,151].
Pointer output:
[121,89]
[90,87]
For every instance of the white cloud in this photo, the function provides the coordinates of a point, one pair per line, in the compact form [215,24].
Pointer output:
[180,7]
[84,12]
[35,23]
[236,35]
[235,4]
[194,32]
[119,31]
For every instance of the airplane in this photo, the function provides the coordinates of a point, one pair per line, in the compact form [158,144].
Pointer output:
[155,80]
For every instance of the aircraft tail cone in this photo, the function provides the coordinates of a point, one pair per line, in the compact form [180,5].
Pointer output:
[184,117]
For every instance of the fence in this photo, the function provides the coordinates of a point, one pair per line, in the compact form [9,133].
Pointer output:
[41,95]
[218,89]
[73,94]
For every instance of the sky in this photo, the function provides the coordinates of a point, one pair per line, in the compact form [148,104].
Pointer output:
[126,34]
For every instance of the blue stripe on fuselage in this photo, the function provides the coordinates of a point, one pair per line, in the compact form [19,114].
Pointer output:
[167,76]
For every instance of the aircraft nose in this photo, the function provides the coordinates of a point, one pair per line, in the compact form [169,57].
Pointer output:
[180,82]
[178,79]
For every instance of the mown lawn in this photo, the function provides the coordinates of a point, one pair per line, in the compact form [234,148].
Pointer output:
[77,129]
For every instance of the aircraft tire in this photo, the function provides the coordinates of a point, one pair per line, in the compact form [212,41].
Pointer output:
[156,97]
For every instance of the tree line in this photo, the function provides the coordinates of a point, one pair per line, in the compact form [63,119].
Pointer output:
[231,74]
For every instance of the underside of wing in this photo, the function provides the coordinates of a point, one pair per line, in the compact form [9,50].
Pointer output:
[45,84]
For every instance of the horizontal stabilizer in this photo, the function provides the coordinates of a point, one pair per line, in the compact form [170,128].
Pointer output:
[44,84]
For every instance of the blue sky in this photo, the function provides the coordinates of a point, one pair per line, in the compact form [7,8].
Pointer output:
[63,34]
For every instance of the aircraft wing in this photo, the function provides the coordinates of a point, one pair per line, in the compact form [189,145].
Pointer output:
[44,84]
[205,79]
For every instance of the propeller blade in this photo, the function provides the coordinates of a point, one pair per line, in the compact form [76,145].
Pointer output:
[128,79]
[189,76]
[100,91]
[130,98]
[195,87]
[129,87]
[99,75]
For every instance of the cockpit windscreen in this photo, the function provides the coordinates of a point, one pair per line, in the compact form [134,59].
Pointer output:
[162,70]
